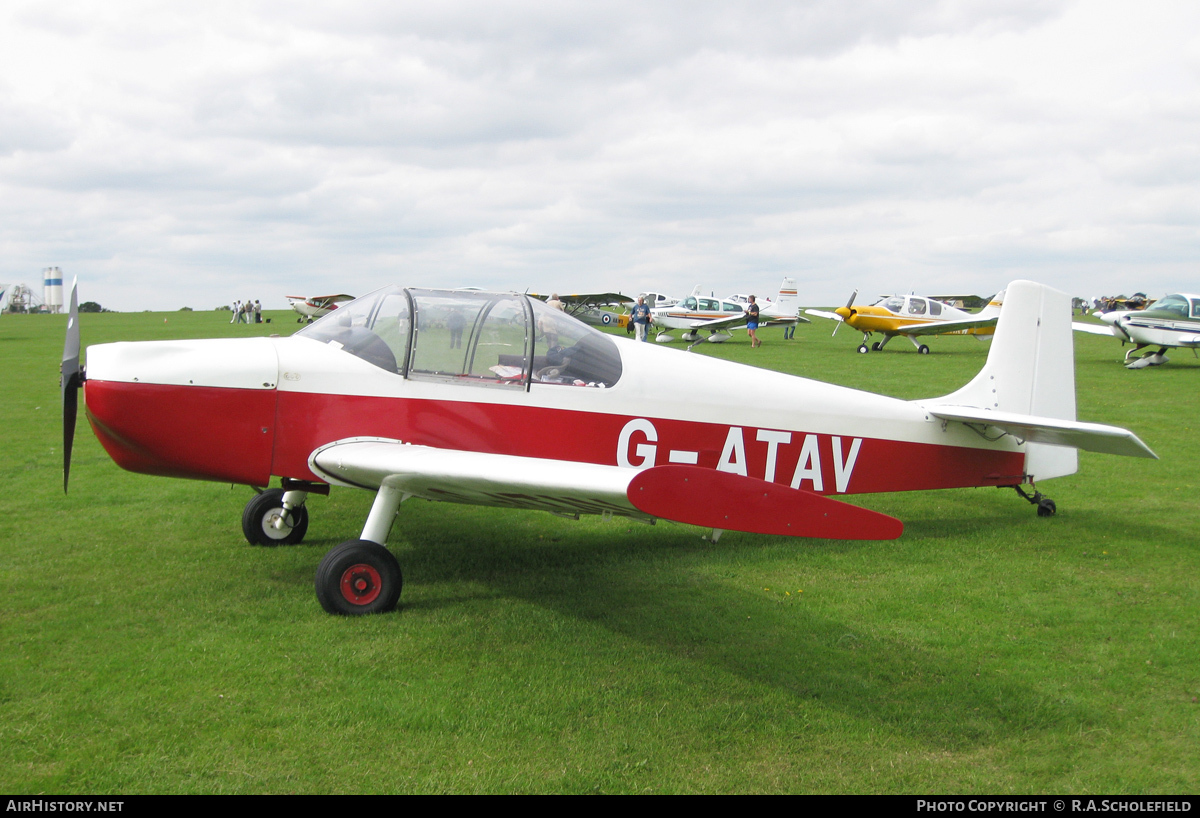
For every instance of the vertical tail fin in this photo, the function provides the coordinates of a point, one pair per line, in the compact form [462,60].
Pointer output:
[789,299]
[1030,370]
[993,305]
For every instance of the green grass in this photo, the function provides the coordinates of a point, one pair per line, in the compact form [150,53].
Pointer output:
[145,648]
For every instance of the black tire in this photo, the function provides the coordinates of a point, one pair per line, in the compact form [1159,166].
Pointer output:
[260,514]
[1046,507]
[864,349]
[875,347]
[359,577]
[923,350]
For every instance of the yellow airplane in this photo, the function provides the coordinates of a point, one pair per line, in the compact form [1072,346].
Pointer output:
[912,316]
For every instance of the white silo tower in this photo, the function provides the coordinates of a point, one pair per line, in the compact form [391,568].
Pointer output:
[53,289]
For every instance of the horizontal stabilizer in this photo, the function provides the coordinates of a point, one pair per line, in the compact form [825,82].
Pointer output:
[715,499]
[1092,437]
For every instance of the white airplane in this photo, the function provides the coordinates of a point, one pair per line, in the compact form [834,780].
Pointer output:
[316,306]
[1171,321]
[374,396]
[696,314]
[656,300]
[912,316]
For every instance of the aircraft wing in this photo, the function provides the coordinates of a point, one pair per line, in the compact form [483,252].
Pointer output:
[578,302]
[1092,437]
[736,321]
[943,327]
[1094,329]
[686,494]
[832,316]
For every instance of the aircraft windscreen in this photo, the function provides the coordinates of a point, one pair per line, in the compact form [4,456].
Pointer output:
[570,353]
[374,328]
[470,337]
[1172,303]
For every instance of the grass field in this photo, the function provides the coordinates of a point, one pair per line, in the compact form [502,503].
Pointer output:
[146,648]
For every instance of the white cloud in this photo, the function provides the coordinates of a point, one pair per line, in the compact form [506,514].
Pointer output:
[185,154]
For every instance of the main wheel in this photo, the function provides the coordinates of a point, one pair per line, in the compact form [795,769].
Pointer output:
[923,350]
[875,347]
[358,577]
[261,514]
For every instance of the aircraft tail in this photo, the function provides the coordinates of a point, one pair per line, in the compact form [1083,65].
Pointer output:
[1027,387]
[789,298]
[993,305]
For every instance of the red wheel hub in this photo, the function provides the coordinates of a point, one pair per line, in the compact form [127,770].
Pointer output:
[361,584]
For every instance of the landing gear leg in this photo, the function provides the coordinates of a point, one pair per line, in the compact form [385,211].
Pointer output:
[1138,348]
[1045,506]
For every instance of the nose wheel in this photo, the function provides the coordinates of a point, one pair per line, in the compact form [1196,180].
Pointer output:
[268,520]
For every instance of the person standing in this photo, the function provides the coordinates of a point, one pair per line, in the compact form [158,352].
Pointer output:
[257,312]
[237,311]
[641,319]
[455,322]
[752,323]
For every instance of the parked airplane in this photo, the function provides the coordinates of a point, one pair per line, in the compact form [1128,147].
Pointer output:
[1171,321]
[316,306]
[587,306]
[696,314]
[912,316]
[375,396]
[656,300]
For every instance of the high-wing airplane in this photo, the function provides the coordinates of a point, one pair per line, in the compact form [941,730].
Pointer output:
[316,306]
[696,314]
[377,396]
[587,306]
[1171,321]
[912,316]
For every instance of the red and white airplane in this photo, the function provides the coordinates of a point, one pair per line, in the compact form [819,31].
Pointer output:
[380,395]
[316,306]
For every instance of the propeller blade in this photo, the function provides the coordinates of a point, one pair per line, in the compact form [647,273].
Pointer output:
[853,296]
[71,381]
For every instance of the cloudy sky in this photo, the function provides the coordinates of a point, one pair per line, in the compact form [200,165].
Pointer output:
[173,154]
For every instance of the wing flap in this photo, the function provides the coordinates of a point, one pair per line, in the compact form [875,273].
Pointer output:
[716,499]
[1092,437]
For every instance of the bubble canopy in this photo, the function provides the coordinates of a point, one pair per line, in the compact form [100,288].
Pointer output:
[468,337]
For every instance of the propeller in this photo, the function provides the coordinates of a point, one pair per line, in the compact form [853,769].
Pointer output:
[72,379]
[849,303]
